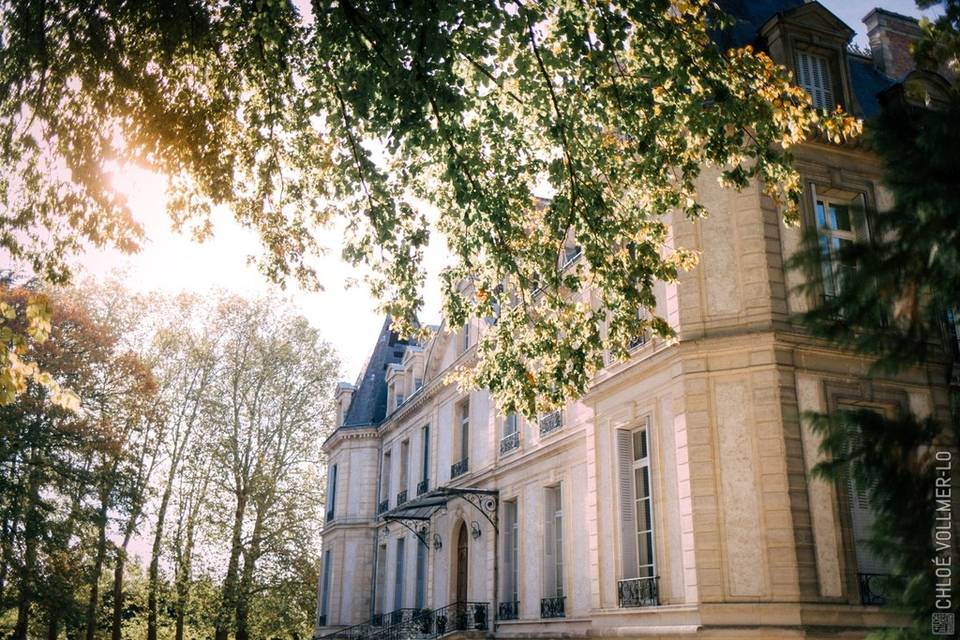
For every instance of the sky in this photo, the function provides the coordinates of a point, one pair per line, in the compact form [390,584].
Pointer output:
[347,318]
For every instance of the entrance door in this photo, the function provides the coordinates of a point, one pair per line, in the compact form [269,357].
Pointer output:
[462,560]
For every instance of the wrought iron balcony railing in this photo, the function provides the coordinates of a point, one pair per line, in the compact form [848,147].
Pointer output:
[638,592]
[419,624]
[401,497]
[508,610]
[383,507]
[423,486]
[509,442]
[457,469]
[550,422]
[552,607]
[872,591]
[461,616]
[638,341]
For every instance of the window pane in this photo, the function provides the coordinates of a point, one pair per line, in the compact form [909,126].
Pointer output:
[510,424]
[644,522]
[640,444]
[840,217]
[821,221]
[646,549]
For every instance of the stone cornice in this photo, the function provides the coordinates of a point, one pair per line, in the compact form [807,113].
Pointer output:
[349,433]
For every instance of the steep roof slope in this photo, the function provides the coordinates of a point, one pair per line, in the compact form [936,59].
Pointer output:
[368,407]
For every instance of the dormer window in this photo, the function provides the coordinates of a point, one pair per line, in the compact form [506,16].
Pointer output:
[813,74]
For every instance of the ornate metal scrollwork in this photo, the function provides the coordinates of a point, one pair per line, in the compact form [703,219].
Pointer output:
[487,503]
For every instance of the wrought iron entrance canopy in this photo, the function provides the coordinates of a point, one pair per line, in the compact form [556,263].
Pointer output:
[416,514]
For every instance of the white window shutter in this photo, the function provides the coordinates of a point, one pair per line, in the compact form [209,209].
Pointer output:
[813,74]
[628,516]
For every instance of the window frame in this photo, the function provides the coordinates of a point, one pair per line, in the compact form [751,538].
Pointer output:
[556,522]
[331,493]
[821,187]
[644,424]
[881,398]
[511,550]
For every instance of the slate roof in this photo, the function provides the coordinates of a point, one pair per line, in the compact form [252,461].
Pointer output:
[368,407]
[867,83]
[749,16]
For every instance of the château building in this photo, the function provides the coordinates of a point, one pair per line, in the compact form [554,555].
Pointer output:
[675,498]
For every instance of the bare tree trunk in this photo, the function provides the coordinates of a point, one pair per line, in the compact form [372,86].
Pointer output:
[228,601]
[31,536]
[154,571]
[246,581]
[94,599]
[117,622]
[53,625]
[185,553]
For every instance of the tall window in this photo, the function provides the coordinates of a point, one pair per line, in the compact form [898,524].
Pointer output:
[380,602]
[511,554]
[325,588]
[840,222]
[510,439]
[553,543]
[421,595]
[638,559]
[465,338]
[424,459]
[463,415]
[813,74]
[404,465]
[331,492]
[398,575]
[862,521]
[385,478]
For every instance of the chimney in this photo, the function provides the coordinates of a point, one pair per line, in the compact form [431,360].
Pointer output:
[343,396]
[891,35]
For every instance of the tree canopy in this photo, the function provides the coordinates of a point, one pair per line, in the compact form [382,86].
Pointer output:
[525,123]
[200,430]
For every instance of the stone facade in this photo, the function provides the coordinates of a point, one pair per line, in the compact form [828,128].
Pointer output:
[744,543]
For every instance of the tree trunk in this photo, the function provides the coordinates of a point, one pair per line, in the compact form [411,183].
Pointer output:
[117,623]
[186,564]
[229,591]
[246,581]
[53,626]
[154,572]
[31,534]
[118,592]
[94,599]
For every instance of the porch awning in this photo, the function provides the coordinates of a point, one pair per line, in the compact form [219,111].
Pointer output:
[416,514]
